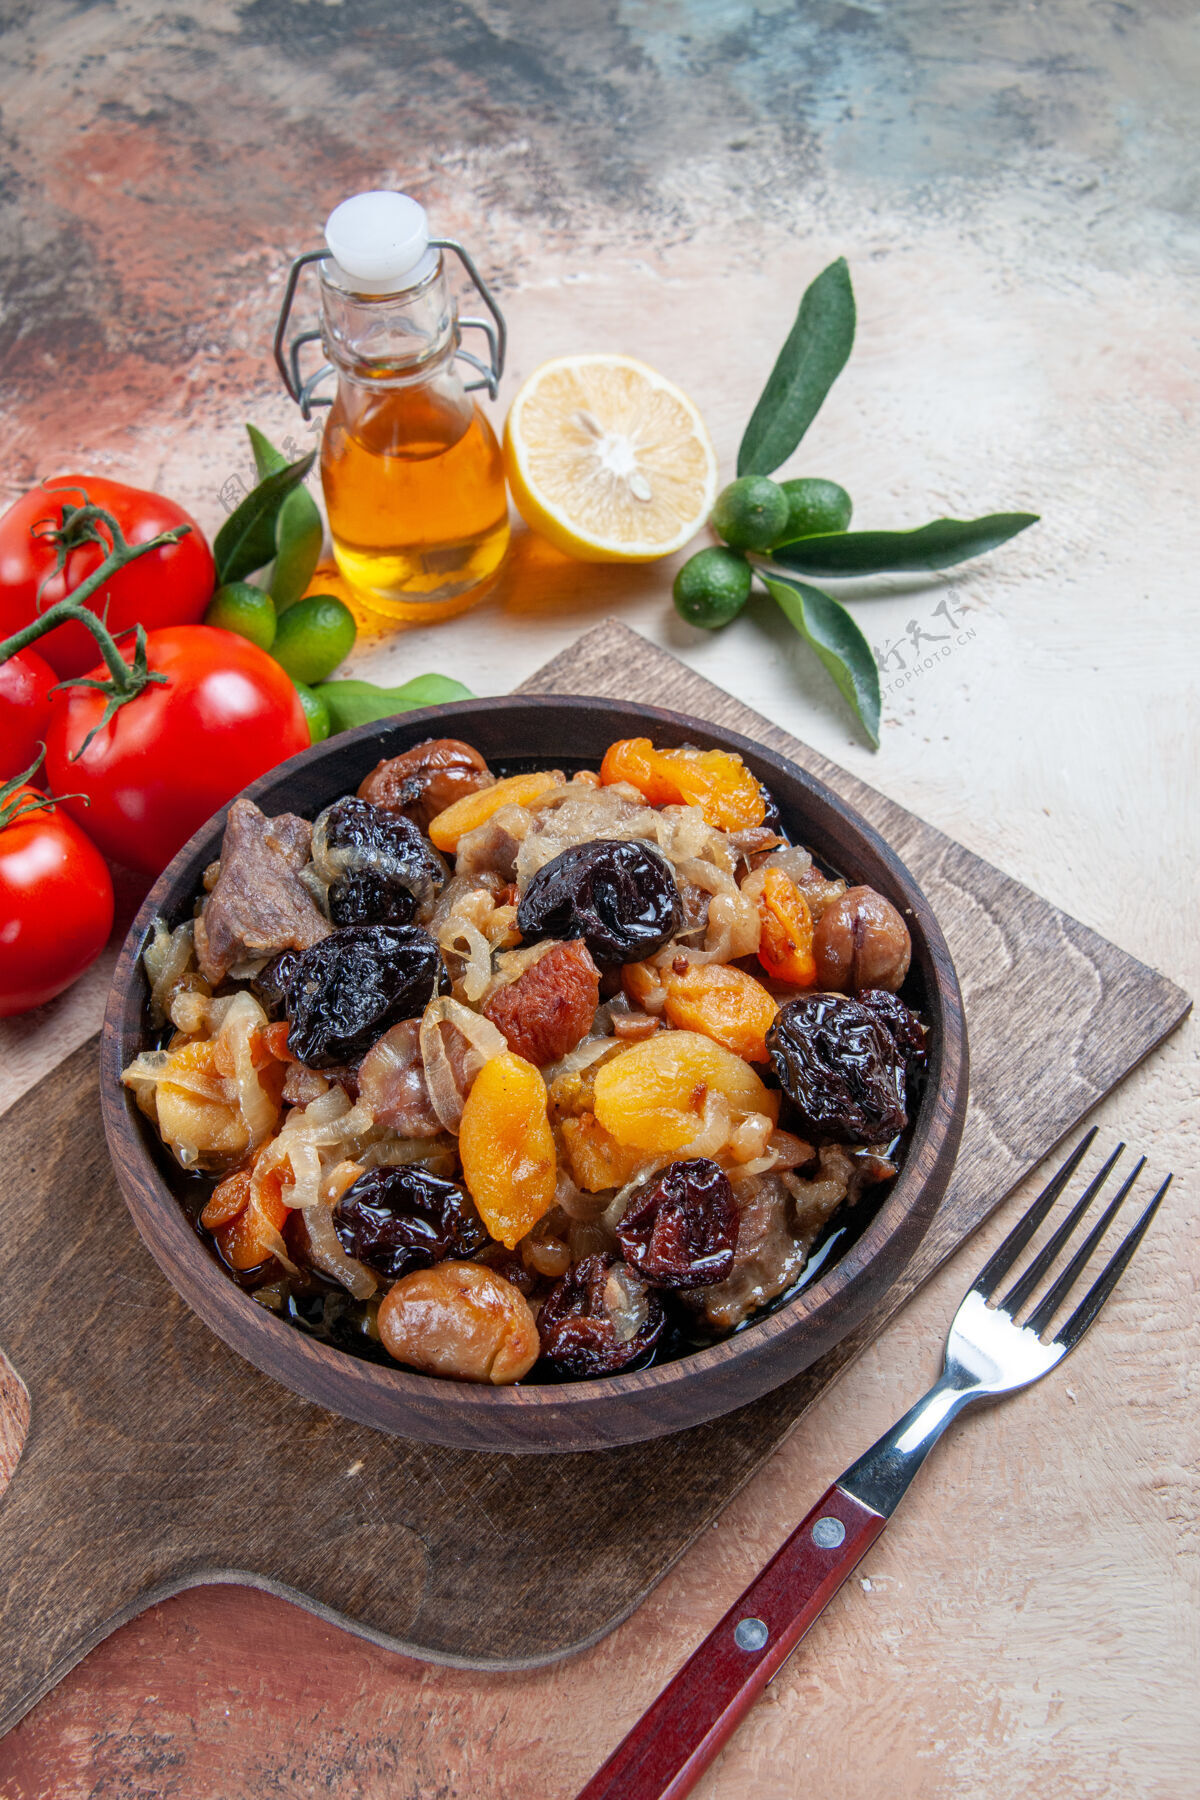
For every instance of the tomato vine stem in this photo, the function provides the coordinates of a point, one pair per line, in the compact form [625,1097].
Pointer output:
[15,805]
[81,524]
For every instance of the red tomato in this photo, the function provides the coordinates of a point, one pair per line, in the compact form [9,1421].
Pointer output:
[56,906]
[169,586]
[171,757]
[25,683]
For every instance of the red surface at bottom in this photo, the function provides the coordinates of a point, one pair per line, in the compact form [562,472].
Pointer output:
[695,1715]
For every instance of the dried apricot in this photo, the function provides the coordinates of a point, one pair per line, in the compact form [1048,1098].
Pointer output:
[653,1095]
[548,1008]
[595,1158]
[645,985]
[272,1041]
[198,1111]
[574,1093]
[785,948]
[227,1199]
[723,1003]
[249,1236]
[507,1147]
[476,809]
[716,781]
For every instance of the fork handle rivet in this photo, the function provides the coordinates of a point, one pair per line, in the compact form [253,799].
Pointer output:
[828,1533]
[750,1634]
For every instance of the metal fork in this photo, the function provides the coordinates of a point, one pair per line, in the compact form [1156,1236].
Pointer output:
[989,1352]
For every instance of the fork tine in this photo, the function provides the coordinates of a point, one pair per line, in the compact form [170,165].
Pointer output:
[1003,1259]
[1046,1258]
[1038,1321]
[1098,1293]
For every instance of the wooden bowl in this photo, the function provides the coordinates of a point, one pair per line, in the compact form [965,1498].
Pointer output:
[542,731]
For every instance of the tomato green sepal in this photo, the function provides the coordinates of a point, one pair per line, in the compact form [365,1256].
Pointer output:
[81,525]
[126,679]
[14,804]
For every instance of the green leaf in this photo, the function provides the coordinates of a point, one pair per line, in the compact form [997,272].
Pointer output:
[936,546]
[353,703]
[808,365]
[267,459]
[299,540]
[246,541]
[825,624]
[299,531]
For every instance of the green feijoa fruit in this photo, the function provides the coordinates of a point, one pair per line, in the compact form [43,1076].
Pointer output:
[751,513]
[245,609]
[712,587]
[315,711]
[313,636]
[814,506]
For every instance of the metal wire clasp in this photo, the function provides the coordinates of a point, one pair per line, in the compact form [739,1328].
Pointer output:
[303,388]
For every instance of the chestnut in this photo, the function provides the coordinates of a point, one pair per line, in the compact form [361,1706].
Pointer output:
[462,1320]
[861,942]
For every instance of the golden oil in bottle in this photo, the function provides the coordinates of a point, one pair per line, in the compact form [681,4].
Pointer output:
[417,506]
[412,472]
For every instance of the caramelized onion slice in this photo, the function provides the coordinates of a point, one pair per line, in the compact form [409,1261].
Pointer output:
[449,1072]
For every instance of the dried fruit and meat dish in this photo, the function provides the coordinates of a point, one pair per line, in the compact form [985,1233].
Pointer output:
[528,1076]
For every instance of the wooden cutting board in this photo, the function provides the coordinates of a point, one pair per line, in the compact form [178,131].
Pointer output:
[156,1459]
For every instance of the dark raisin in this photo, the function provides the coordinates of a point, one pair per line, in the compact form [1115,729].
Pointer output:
[269,986]
[599,1318]
[375,866]
[840,1067]
[620,898]
[347,990]
[397,1219]
[771,820]
[680,1230]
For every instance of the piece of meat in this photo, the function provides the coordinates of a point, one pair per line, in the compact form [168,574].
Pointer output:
[770,1253]
[392,1082]
[426,779]
[754,840]
[492,847]
[258,904]
[548,1009]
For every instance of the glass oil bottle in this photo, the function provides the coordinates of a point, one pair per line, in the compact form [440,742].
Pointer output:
[411,470]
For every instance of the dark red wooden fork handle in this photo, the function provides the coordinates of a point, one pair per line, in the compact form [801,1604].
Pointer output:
[673,1743]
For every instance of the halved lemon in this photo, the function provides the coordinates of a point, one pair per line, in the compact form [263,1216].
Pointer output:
[608,459]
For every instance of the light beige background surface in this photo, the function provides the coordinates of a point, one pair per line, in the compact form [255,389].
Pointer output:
[1026,339]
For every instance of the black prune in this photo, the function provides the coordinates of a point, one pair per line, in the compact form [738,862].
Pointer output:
[269,986]
[599,1318]
[680,1230]
[619,897]
[397,1219]
[900,1020]
[347,990]
[375,866]
[363,898]
[840,1067]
